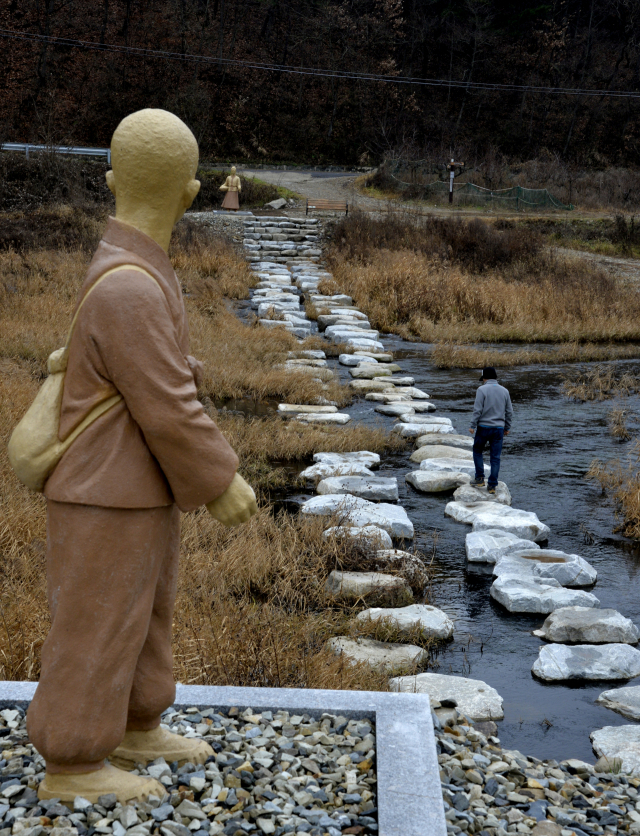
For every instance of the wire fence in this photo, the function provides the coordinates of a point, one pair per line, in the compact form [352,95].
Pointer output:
[517,198]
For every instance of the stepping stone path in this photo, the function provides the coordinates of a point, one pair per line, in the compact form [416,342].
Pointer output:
[587,661]
[582,625]
[353,586]
[431,622]
[387,657]
[621,743]
[472,697]
[625,701]
[538,596]
[488,546]
[286,256]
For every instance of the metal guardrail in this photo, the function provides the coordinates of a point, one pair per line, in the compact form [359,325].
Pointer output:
[26,147]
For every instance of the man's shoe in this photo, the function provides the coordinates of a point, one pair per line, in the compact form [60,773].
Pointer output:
[91,785]
[478,483]
[491,489]
[145,746]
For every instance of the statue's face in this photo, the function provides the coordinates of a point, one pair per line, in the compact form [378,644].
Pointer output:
[233,169]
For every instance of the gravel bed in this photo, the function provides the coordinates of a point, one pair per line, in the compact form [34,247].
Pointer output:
[490,790]
[273,773]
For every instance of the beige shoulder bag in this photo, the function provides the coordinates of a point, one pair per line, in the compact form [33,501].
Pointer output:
[34,447]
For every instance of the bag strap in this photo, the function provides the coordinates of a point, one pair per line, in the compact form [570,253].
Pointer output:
[96,283]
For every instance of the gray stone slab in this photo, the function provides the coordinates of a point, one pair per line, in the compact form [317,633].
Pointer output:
[409,793]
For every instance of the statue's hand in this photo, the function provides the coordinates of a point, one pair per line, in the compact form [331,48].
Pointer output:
[236,505]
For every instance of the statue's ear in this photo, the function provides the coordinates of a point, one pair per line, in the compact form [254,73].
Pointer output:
[111,182]
[191,190]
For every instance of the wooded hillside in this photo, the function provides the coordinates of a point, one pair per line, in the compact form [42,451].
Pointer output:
[60,94]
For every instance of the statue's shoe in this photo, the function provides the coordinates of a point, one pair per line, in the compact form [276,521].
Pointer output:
[143,747]
[91,785]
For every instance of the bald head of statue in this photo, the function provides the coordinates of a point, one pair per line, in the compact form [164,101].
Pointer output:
[154,159]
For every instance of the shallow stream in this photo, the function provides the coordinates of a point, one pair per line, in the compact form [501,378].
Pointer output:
[544,463]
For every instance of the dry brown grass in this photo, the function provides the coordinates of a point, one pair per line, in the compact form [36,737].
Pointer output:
[600,384]
[455,284]
[453,356]
[251,607]
[617,419]
[622,483]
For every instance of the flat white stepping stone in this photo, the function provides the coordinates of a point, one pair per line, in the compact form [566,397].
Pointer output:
[375,488]
[412,392]
[625,701]
[352,360]
[484,515]
[442,450]
[323,471]
[436,482]
[309,354]
[619,743]
[351,586]
[380,385]
[298,408]
[430,621]
[557,662]
[386,657]
[584,625]
[538,596]
[359,512]
[475,699]
[426,419]
[468,494]
[323,418]
[569,570]
[396,556]
[354,343]
[375,537]
[395,409]
[415,430]
[464,442]
[402,381]
[315,364]
[379,357]
[451,465]
[488,546]
[276,323]
[361,457]
[389,396]
[367,371]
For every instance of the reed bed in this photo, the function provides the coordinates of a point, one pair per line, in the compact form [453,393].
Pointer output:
[600,384]
[454,356]
[622,484]
[451,281]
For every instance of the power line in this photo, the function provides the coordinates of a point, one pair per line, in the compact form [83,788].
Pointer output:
[141,52]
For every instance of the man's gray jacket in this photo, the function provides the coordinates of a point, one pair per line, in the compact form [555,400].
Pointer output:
[492,407]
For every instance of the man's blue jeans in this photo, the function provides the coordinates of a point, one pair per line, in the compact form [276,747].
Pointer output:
[493,435]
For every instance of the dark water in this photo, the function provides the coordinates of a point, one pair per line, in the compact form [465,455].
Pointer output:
[545,459]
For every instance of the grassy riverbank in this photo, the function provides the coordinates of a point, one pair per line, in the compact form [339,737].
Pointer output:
[251,606]
[456,282]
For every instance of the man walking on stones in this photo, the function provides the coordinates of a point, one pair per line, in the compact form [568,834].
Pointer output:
[491,421]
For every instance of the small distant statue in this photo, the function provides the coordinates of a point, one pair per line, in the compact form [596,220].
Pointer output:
[232,186]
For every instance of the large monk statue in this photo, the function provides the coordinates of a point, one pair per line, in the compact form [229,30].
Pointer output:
[232,186]
[114,499]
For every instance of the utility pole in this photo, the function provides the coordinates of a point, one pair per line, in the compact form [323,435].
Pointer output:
[452,174]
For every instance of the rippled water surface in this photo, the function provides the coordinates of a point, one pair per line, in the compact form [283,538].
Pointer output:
[544,462]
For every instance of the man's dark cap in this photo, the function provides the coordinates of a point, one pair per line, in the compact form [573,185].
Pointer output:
[489,373]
